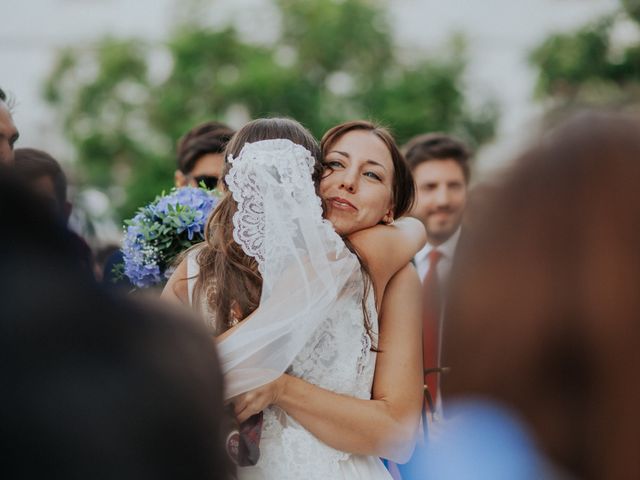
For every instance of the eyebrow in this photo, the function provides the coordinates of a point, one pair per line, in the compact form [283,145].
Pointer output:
[368,160]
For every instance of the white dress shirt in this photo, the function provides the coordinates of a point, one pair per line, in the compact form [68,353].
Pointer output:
[447,249]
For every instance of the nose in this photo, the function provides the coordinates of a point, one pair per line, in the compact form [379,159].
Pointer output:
[442,195]
[349,181]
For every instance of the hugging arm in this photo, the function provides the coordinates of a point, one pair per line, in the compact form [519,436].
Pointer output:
[385,249]
[387,424]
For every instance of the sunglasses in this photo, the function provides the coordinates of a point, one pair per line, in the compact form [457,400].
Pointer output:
[208,181]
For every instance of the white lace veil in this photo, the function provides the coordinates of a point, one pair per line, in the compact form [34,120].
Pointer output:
[305,266]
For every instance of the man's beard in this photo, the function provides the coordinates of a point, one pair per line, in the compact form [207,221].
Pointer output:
[442,233]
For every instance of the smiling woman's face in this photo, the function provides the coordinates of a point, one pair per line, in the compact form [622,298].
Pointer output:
[357,184]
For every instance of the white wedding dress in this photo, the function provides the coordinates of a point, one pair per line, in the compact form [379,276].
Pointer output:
[338,357]
[310,321]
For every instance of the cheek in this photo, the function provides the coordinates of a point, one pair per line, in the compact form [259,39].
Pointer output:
[380,204]
[460,199]
[324,186]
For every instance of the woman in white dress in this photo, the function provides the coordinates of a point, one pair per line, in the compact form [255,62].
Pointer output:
[352,388]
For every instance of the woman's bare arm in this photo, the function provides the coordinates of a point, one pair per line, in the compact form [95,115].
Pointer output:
[384,426]
[385,249]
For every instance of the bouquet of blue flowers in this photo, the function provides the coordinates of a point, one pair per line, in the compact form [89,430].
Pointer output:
[162,230]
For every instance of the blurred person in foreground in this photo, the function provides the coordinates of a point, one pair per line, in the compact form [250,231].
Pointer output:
[544,319]
[42,174]
[8,131]
[93,385]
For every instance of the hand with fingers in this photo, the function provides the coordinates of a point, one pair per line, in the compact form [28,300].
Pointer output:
[255,401]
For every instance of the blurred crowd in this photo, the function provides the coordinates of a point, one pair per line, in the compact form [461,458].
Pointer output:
[536,334]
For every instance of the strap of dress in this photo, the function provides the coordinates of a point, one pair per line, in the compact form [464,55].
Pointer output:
[192,272]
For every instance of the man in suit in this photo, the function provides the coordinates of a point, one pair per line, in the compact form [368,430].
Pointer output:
[440,167]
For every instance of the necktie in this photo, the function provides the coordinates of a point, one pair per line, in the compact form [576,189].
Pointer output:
[431,323]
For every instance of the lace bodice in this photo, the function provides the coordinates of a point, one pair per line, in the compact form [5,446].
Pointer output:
[337,357]
[309,322]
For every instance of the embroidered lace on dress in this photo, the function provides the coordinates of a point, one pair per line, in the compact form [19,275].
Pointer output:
[309,322]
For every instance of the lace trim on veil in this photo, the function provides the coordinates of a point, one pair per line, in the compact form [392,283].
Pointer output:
[291,165]
[305,265]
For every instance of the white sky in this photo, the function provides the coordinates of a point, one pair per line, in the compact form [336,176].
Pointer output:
[500,34]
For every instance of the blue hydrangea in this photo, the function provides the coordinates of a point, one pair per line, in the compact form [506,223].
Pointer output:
[163,229]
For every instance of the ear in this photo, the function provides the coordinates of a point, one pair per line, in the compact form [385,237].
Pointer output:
[179,180]
[388,216]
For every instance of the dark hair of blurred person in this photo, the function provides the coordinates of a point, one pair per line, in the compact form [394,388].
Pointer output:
[29,226]
[200,155]
[544,313]
[8,131]
[42,174]
[45,176]
[96,386]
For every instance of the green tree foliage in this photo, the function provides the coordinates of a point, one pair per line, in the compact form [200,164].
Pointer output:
[333,61]
[590,66]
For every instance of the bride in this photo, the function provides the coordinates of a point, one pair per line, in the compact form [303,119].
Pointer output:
[296,305]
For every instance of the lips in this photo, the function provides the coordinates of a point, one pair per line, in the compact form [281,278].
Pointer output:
[440,214]
[342,204]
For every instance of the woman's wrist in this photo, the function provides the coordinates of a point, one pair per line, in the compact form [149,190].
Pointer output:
[283,383]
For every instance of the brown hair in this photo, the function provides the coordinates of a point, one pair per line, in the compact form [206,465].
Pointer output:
[230,278]
[437,146]
[403,189]
[551,283]
[209,137]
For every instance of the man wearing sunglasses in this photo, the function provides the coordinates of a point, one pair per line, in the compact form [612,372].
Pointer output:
[200,155]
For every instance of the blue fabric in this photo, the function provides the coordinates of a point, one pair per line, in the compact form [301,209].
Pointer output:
[479,440]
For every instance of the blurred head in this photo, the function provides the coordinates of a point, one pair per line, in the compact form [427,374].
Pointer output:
[43,174]
[550,282]
[440,166]
[200,155]
[94,383]
[223,262]
[8,131]
[366,179]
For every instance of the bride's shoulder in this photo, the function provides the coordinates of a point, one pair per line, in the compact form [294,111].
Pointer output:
[176,290]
